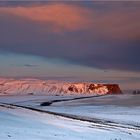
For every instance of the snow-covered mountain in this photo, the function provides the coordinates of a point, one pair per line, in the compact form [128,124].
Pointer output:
[35,86]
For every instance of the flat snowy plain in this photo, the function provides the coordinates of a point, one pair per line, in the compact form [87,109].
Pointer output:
[109,117]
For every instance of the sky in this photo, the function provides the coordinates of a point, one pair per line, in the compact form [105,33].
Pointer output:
[83,40]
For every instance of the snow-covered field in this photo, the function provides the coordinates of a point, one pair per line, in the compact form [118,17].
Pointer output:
[116,117]
[117,108]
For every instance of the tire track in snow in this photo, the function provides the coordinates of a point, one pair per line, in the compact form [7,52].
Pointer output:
[95,123]
[47,103]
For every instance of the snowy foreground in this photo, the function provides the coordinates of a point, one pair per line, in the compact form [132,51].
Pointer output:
[110,117]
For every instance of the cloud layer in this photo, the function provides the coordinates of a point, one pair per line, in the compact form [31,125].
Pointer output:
[104,37]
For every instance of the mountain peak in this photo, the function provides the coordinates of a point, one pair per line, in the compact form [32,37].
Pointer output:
[52,87]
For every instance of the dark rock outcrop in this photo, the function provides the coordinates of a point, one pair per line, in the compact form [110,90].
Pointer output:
[113,88]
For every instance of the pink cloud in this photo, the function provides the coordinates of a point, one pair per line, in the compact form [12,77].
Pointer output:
[117,23]
[61,17]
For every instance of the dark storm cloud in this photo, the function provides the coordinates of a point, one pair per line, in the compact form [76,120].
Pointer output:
[29,65]
[25,65]
[77,34]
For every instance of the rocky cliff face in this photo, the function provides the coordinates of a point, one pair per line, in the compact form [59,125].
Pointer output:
[33,86]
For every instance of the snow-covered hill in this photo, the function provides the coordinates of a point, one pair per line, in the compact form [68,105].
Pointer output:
[35,86]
